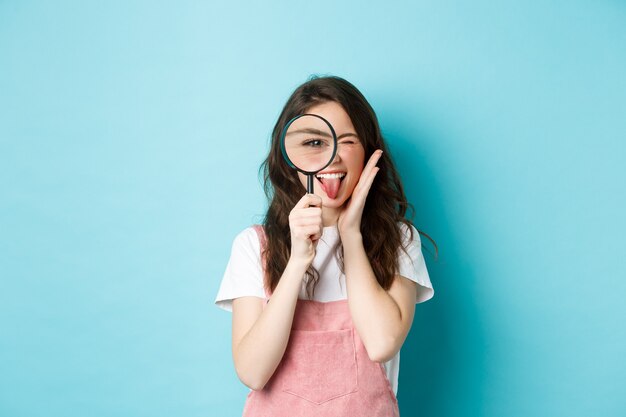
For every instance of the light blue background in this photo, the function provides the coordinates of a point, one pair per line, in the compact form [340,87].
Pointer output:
[130,138]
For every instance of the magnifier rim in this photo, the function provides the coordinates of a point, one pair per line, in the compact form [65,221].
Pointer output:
[284,151]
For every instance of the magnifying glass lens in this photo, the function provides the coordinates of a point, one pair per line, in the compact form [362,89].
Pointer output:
[309,143]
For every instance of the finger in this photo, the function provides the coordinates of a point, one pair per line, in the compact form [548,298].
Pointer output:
[303,217]
[307,231]
[312,212]
[314,232]
[372,161]
[309,200]
[303,222]
[367,171]
[308,223]
[365,185]
[370,180]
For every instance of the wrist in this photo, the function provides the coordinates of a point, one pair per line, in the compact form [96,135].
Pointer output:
[298,265]
[351,236]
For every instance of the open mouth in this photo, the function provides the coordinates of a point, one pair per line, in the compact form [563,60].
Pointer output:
[331,182]
[339,175]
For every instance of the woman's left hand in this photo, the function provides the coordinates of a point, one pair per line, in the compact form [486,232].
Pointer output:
[350,217]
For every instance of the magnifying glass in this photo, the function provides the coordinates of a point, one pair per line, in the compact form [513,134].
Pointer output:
[309,144]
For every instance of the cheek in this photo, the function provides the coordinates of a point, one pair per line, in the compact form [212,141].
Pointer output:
[354,158]
[302,178]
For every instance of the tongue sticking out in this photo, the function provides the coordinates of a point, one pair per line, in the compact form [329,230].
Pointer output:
[331,186]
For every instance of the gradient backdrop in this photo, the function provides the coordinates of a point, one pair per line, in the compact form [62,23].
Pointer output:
[130,138]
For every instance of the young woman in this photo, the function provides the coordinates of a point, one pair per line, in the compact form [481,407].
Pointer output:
[323,293]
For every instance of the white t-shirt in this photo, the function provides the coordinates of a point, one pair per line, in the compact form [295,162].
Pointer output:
[244,276]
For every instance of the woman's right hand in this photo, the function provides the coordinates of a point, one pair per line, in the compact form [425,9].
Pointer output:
[305,223]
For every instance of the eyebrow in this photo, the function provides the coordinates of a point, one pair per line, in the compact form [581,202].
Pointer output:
[309,130]
[321,133]
[346,135]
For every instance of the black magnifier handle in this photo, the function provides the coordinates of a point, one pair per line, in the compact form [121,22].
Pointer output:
[309,183]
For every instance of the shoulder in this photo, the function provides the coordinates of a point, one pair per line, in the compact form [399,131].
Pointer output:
[411,247]
[243,275]
[247,238]
[247,234]
[411,263]
[246,246]
[409,233]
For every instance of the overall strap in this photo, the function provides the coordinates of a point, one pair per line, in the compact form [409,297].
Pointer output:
[263,243]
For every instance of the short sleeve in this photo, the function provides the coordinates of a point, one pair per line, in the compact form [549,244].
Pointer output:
[243,275]
[413,266]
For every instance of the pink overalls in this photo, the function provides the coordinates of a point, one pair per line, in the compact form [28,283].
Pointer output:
[325,370]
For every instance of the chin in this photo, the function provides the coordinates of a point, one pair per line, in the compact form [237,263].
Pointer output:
[330,203]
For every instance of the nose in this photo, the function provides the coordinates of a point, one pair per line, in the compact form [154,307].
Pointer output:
[337,158]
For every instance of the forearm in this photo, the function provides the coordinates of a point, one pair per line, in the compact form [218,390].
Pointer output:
[375,314]
[261,349]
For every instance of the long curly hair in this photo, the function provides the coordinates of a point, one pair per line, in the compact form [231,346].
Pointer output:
[386,204]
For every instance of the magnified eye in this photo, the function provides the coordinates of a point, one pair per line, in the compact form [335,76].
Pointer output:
[314,143]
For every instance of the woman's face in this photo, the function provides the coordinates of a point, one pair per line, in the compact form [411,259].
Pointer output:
[349,159]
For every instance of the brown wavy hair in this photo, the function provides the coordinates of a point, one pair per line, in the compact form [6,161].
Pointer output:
[386,204]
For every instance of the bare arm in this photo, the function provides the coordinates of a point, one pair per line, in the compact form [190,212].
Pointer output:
[382,319]
[260,335]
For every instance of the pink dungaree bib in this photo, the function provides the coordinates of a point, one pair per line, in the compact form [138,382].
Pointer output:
[325,370]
